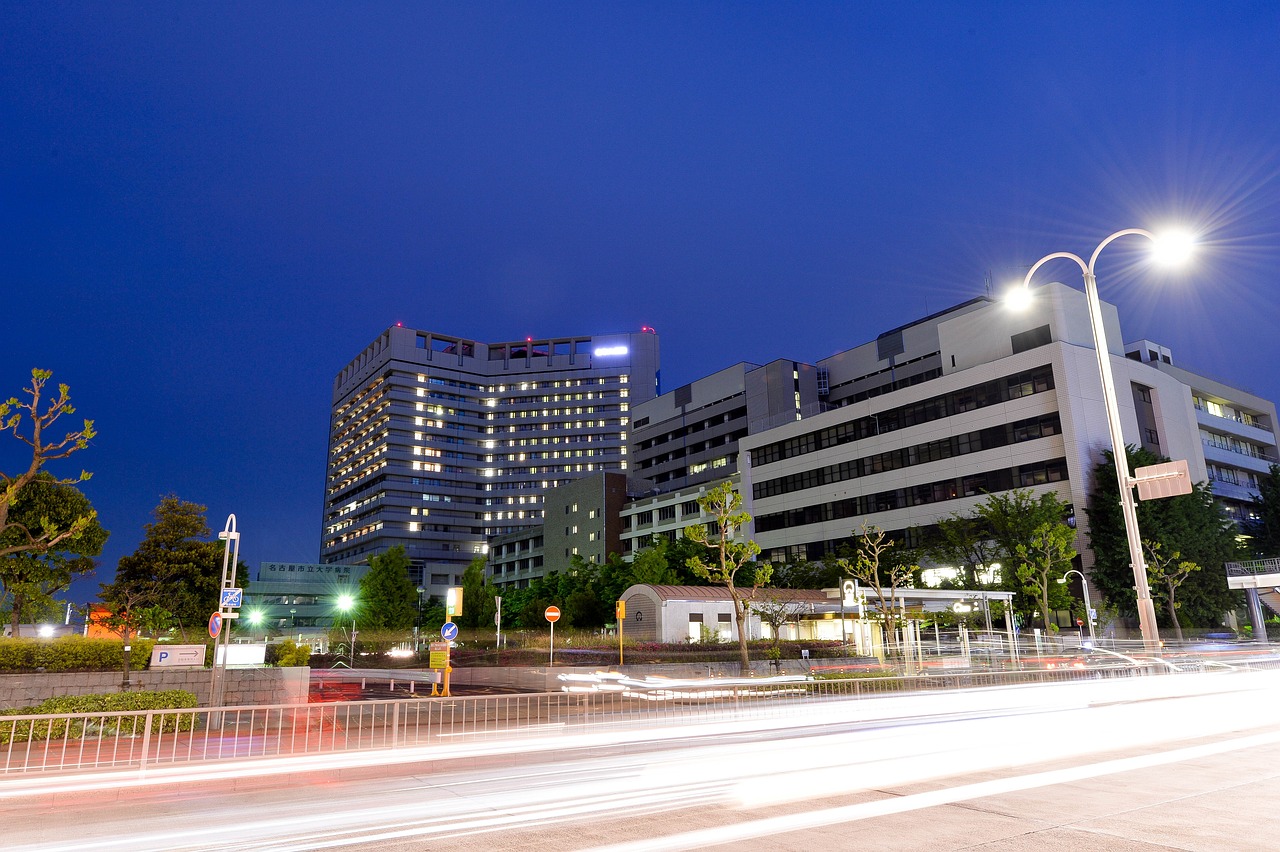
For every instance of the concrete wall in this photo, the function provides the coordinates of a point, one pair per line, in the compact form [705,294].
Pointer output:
[243,686]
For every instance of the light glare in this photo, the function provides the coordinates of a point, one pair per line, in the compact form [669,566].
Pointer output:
[1018,297]
[1173,248]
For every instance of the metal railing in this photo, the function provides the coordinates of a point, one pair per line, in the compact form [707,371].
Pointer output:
[1257,566]
[151,738]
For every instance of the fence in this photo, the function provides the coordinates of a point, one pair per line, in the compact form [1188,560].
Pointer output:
[143,739]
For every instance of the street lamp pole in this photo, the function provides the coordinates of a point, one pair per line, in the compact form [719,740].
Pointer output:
[1146,608]
[1088,607]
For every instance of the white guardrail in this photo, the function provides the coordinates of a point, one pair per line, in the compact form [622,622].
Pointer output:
[141,739]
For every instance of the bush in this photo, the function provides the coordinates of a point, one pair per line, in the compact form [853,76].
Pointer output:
[72,654]
[289,653]
[56,729]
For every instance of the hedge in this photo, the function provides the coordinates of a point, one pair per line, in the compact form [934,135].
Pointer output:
[110,702]
[72,654]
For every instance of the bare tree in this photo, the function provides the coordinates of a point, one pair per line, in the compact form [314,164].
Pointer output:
[729,556]
[42,415]
[876,565]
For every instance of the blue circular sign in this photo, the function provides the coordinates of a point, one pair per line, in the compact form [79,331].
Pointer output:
[449,631]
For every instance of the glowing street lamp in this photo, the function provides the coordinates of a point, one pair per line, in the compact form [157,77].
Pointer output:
[1088,608]
[346,604]
[1172,248]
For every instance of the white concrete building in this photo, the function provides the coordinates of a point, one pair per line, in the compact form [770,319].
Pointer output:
[979,398]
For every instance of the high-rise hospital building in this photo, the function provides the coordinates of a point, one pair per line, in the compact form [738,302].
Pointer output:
[438,443]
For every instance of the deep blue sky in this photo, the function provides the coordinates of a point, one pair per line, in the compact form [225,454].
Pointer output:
[206,209]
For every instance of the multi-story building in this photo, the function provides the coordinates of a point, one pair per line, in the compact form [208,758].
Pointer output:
[581,519]
[1237,430]
[689,436]
[933,416]
[439,443]
[686,441]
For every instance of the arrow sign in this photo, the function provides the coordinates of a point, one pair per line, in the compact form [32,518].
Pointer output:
[449,631]
[232,598]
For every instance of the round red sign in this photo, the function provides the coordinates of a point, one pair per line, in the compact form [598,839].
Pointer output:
[552,614]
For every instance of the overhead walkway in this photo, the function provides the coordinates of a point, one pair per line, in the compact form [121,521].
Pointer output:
[1261,581]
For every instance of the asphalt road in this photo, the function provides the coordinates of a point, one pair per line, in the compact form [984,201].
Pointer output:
[1185,762]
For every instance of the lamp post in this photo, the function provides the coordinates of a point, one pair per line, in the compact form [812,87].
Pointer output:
[346,604]
[1088,607]
[1146,609]
[417,625]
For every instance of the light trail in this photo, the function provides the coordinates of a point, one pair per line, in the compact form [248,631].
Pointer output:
[818,750]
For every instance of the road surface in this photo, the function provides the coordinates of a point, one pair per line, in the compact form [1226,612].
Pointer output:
[1176,762]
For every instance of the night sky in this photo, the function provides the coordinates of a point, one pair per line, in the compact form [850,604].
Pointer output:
[207,209]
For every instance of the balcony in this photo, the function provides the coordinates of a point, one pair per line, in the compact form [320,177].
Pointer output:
[1250,429]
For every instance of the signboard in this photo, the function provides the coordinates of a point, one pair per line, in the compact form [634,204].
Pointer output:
[849,593]
[620,610]
[453,601]
[232,598]
[241,655]
[167,656]
[438,655]
[215,625]
[553,614]
[449,631]
[1163,480]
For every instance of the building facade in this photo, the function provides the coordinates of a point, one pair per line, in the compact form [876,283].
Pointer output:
[931,417]
[439,443]
[1237,430]
[582,518]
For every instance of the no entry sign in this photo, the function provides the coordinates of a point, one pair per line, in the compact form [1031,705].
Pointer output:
[552,614]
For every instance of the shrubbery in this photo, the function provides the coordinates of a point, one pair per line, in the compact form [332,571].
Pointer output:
[71,654]
[56,729]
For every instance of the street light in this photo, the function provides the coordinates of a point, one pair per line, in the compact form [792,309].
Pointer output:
[1088,608]
[1171,248]
[346,604]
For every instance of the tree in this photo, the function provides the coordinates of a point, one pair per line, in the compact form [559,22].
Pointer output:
[128,607]
[177,557]
[16,537]
[803,574]
[1166,572]
[387,599]
[1192,524]
[777,611]
[1015,519]
[474,593]
[963,541]
[879,564]
[729,556]
[1041,561]
[30,578]
[1263,528]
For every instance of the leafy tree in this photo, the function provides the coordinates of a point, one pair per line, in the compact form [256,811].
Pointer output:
[1264,529]
[728,556]
[1014,519]
[128,607]
[878,563]
[387,599]
[16,537]
[473,593]
[1192,524]
[1166,572]
[963,541]
[1041,561]
[30,578]
[803,574]
[177,557]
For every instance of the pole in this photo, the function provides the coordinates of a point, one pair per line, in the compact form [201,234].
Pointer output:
[1146,608]
[230,560]
[497,622]
[551,660]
